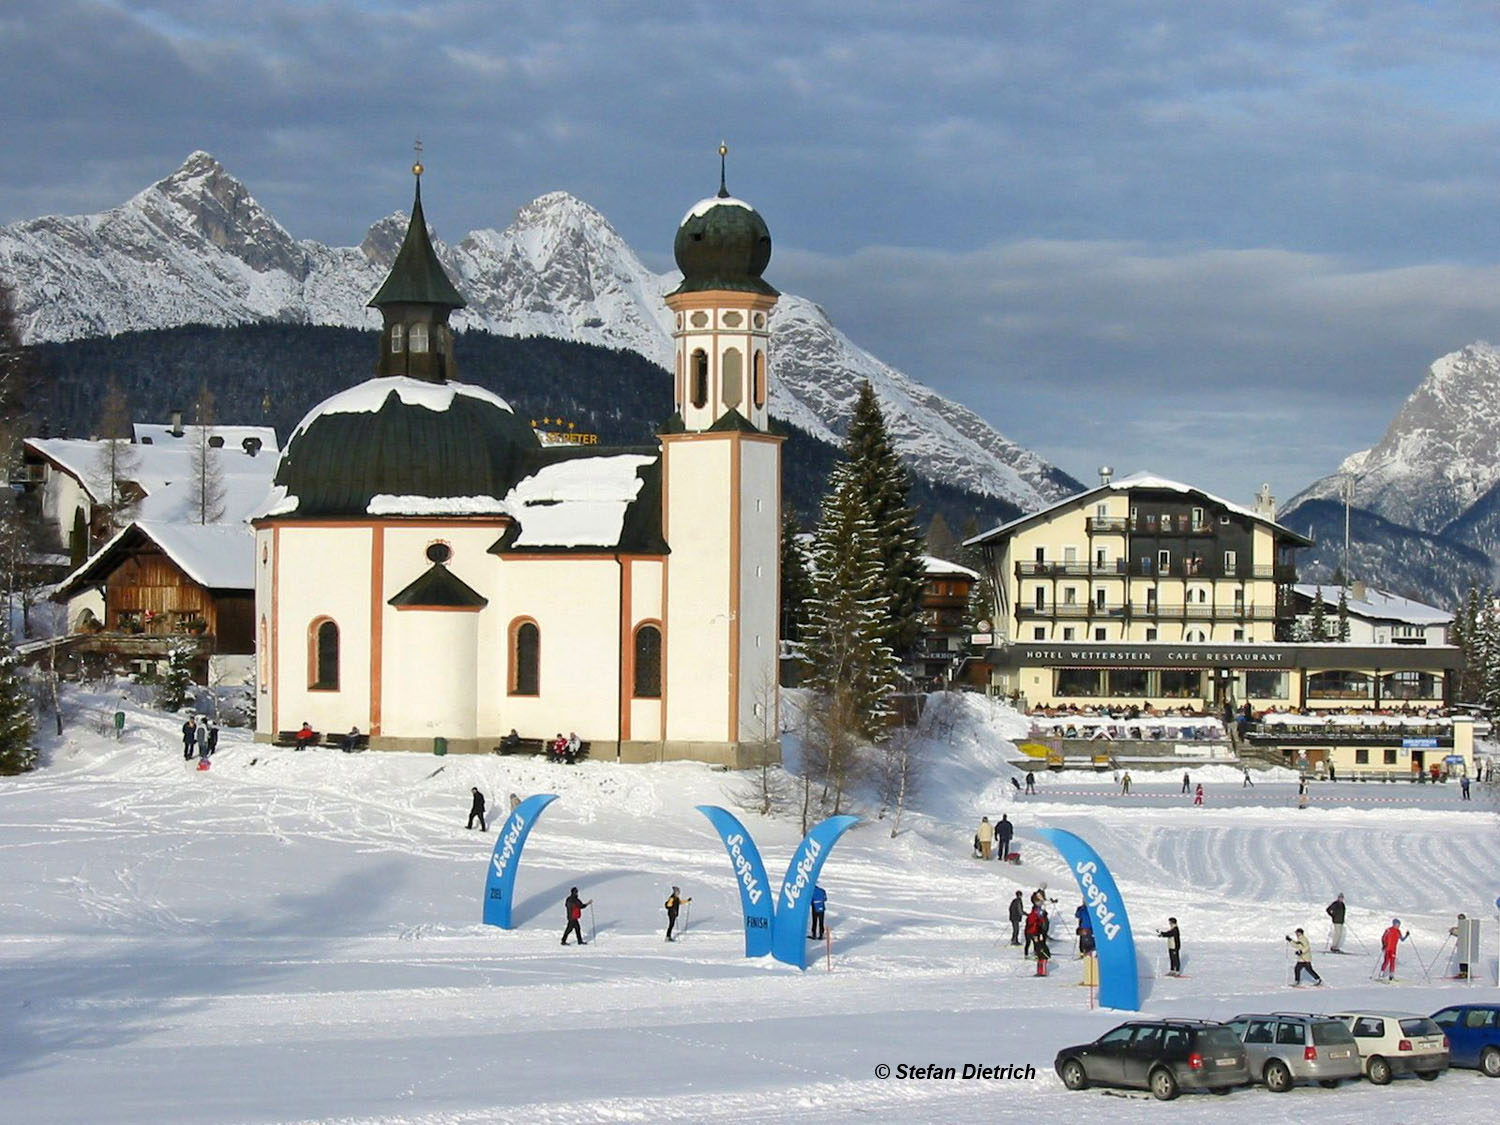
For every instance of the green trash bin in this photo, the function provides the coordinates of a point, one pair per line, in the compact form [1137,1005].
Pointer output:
[439,746]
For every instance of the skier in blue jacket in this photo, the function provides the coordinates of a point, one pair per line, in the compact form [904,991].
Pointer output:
[819,902]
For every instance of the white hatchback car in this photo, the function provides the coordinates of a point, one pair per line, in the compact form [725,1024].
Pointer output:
[1392,1043]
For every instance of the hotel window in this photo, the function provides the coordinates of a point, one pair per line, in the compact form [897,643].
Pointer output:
[1362,756]
[1039,633]
[1197,517]
[1164,561]
[1390,757]
[1150,634]
[1099,635]
[1239,634]
[1069,633]
[1070,554]
[1101,511]
[1041,599]
[1101,559]
[1099,599]
[1070,595]
[1230,564]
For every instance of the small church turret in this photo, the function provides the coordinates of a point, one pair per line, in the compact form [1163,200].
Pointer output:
[722,310]
[415,303]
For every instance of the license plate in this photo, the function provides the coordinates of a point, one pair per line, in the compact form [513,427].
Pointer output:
[1338,1054]
[1226,1062]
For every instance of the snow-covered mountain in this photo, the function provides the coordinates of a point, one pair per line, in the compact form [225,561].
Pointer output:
[1441,453]
[197,248]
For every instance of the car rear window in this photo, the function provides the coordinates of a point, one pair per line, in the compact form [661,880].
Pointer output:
[1331,1032]
[1420,1026]
[1220,1038]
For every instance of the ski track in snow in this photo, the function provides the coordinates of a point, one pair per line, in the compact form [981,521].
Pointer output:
[298,940]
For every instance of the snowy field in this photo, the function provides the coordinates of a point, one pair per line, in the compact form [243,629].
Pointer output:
[295,937]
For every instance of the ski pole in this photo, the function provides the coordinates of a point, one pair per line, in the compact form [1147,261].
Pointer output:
[1418,955]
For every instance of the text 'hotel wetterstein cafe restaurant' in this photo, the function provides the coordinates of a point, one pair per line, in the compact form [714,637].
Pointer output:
[1144,590]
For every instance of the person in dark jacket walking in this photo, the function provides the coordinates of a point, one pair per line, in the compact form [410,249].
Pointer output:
[673,904]
[1085,929]
[1017,916]
[1004,830]
[1039,945]
[1335,912]
[574,907]
[213,738]
[1174,947]
[189,738]
[477,810]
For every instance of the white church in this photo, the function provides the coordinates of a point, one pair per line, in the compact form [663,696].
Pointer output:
[427,569]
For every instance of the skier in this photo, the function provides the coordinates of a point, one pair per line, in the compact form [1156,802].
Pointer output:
[1389,940]
[1174,947]
[819,903]
[1302,949]
[986,837]
[1125,784]
[1039,942]
[1187,782]
[477,809]
[1017,915]
[673,904]
[1463,785]
[189,736]
[1247,783]
[1004,830]
[574,906]
[1198,795]
[1085,930]
[1030,782]
[1460,933]
[1335,912]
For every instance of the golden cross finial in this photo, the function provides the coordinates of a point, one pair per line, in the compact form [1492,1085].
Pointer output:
[416,168]
[723,155]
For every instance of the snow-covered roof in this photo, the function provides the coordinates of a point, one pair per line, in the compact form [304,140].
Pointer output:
[934,566]
[1378,605]
[368,397]
[217,556]
[704,206]
[157,433]
[580,502]
[1141,481]
[165,473]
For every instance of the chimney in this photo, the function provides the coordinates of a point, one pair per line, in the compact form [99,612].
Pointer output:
[1358,590]
[1265,503]
[176,417]
[1105,473]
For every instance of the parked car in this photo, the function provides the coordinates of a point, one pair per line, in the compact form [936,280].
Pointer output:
[1392,1043]
[1163,1056]
[1473,1032]
[1285,1048]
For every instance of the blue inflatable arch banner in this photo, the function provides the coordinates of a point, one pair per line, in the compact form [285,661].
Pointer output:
[750,873]
[1119,983]
[789,943]
[500,884]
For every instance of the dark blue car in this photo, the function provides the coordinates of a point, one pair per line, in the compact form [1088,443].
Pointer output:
[1473,1032]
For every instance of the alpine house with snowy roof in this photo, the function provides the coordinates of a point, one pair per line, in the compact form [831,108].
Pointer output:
[427,569]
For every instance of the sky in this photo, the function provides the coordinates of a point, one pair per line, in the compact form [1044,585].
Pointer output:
[1215,241]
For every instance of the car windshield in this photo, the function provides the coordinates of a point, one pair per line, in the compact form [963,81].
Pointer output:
[1421,1025]
[1219,1038]
[1329,1032]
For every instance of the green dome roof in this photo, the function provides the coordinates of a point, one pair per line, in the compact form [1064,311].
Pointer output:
[723,243]
[400,446]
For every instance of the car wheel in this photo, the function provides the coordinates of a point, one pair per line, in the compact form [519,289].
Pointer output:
[1163,1084]
[1379,1071]
[1428,1075]
[1329,1083]
[1073,1075]
[1278,1077]
[1489,1062]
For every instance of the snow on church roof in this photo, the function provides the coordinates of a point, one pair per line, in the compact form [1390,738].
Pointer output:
[368,397]
[580,502]
[704,206]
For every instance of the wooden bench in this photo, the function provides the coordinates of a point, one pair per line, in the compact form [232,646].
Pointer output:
[541,746]
[341,742]
[289,738]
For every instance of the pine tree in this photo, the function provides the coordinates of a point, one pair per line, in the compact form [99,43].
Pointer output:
[1318,628]
[1343,614]
[848,612]
[17,721]
[115,468]
[177,685]
[1465,637]
[796,582]
[208,473]
[885,489]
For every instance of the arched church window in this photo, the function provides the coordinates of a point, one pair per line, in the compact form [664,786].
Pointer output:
[525,658]
[700,378]
[398,337]
[732,369]
[758,389]
[418,339]
[323,670]
[647,662]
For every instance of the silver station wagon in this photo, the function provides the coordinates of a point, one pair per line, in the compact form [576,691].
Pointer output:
[1285,1048]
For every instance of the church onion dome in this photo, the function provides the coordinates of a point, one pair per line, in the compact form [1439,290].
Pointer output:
[417,277]
[397,446]
[723,243]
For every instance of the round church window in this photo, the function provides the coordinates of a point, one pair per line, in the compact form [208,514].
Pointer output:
[439,552]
